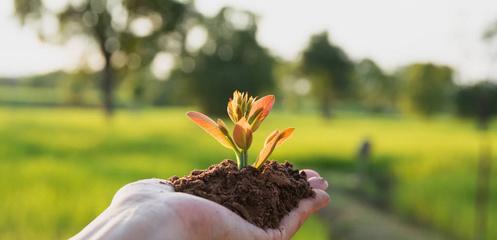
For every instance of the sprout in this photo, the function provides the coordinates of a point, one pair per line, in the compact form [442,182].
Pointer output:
[247,113]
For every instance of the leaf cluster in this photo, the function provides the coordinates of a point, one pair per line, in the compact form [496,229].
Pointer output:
[247,113]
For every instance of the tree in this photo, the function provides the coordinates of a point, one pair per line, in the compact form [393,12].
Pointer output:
[231,59]
[429,87]
[378,90]
[479,101]
[126,33]
[293,88]
[329,69]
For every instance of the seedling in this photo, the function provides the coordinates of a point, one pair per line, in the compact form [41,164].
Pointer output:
[247,113]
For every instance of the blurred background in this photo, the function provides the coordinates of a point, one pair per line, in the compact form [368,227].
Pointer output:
[393,101]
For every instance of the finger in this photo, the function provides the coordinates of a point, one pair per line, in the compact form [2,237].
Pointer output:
[318,183]
[292,222]
[311,173]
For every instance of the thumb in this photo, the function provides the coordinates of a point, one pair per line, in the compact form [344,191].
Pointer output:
[292,222]
[141,190]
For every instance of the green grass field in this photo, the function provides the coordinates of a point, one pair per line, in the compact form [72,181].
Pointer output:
[60,167]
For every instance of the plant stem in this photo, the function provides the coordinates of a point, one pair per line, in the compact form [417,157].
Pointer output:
[243,160]
[237,152]
[238,159]
[241,154]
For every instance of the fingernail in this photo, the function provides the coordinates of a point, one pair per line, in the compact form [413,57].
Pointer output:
[318,182]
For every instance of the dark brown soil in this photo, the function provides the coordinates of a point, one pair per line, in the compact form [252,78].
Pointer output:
[262,197]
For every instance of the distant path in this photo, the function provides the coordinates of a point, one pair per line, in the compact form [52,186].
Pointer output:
[350,219]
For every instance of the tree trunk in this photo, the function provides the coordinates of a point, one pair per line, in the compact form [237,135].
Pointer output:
[107,86]
[102,31]
[483,187]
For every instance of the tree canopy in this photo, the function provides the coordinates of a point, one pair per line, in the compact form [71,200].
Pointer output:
[478,101]
[231,59]
[329,68]
[429,87]
[128,34]
[377,89]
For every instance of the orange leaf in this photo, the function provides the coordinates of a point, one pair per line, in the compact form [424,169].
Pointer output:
[284,135]
[232,111]
[255,115]
[211,127]
[266,104]
[268,148]
[274,139]
[222,127]
[274,134]
[242,134]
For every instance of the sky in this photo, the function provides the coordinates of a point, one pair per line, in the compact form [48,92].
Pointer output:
[391,32]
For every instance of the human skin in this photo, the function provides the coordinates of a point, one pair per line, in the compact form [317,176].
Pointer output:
[150,210]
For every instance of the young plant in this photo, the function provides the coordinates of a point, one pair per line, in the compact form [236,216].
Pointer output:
[247,113]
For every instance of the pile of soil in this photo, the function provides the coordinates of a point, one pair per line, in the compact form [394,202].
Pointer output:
[261,196]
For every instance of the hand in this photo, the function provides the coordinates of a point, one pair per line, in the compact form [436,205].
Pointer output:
[150,209]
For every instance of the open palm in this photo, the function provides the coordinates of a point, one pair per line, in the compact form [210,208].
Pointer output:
[150,209]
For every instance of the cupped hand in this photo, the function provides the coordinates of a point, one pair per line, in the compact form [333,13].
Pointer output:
[150,209]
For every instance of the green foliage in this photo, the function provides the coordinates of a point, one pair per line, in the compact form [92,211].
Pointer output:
[378,91]
[478,101]
[32,96]
[77,88]
[127,33]
[231,59]
[60,167]
[313,228]
[429,88]
[109,24]
[330,70]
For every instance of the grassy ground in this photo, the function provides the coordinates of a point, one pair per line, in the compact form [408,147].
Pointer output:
[351,218]
[60,168]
